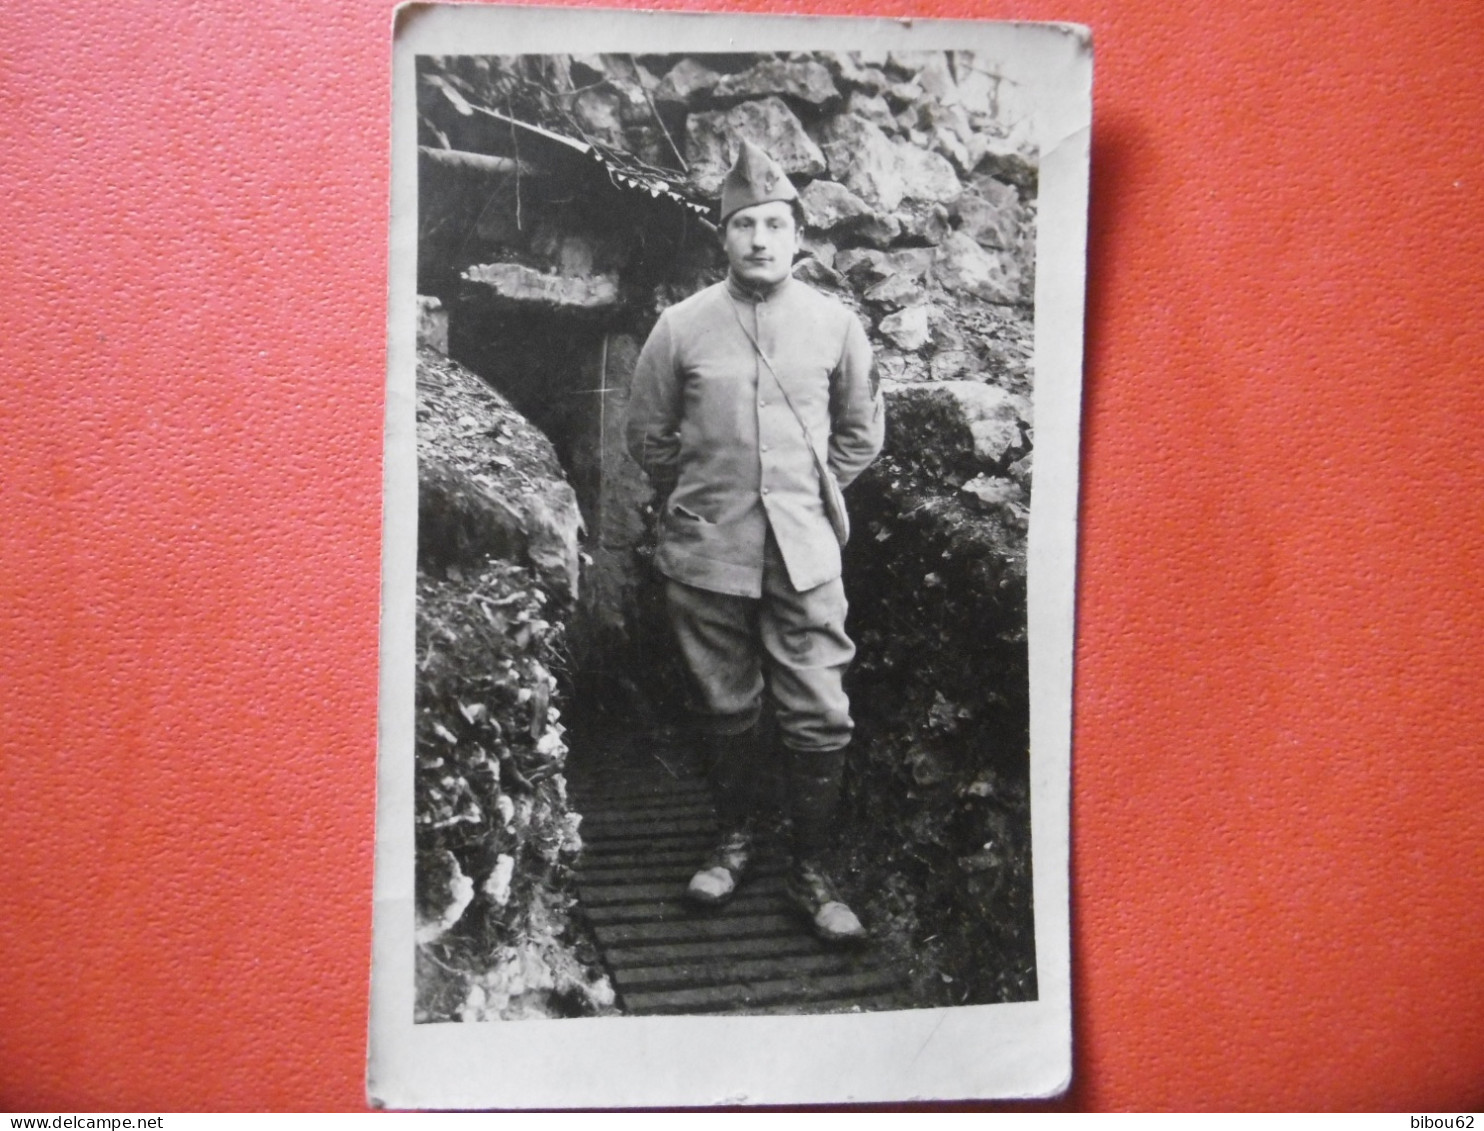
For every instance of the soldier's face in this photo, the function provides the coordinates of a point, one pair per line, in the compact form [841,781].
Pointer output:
[761,242]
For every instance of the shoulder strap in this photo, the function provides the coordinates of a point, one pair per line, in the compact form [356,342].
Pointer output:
[757,347]
[829,488]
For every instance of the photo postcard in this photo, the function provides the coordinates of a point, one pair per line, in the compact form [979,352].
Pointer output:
[733,401]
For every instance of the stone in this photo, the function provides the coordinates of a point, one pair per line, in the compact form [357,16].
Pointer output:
[626,68]
[551,521]
[989,224]
[489,483]
[955,365]
[953,117]
[891,365]
[874,230]
[904,94]
[975,87]
[944,326]
[599,111]
[906,329]
[915,369]
[922,223]
[807,82]
[828,205]
[997,419]
[497,884]
[913,261]
[1003,496]
[575,254]
[895,292]
[850,74]
[881,172]
[964,144]
[1020,283]
[993,495]
[569,250]
[816,274]
[867,267]
[712,140]
[1015,105]
[1021,137]
[976,145]
[588,69]
[443,895]
[613,79]
[936,79]
[834,209]
[1020,470]
[649,143]
[513,285]
[871,107]
[947,143]
[962,265]
[1010,166]
[861,266]
[910,62]
[863,159]
[927,175]
[872,80]
[645,77]
[998,193]
[432,323]
[634,107]
[821,249]
[686,82]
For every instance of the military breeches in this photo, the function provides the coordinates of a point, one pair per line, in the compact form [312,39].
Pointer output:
[797,640]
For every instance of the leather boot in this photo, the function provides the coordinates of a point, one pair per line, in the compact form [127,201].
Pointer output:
[814,781]
[731,764]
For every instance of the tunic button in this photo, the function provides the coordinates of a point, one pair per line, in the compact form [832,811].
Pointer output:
[762,404]
[765,490]
[765,447]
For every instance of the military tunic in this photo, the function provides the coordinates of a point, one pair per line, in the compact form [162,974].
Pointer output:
[708,424]
[752,560]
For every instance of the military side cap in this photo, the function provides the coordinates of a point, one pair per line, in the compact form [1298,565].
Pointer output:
[755,178]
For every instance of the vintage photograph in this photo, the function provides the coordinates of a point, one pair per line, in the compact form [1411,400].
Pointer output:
[724,427]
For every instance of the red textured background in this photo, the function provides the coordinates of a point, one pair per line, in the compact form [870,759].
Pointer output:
[1278,845]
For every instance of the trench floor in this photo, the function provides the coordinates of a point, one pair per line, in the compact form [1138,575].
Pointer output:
[648,821]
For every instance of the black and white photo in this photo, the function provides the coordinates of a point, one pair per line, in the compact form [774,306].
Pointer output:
[731,478]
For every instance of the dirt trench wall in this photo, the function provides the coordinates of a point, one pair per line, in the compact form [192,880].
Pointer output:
[495,837]
[938,785]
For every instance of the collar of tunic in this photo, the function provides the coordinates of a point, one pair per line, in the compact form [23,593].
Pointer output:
[743,293]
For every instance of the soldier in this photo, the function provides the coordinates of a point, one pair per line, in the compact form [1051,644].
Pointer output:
[754,402]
